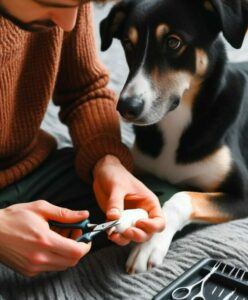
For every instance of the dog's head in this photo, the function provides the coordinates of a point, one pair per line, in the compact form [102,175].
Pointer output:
[168,44]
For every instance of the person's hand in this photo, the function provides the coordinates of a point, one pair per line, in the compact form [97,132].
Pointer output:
[117,189]
[29,246]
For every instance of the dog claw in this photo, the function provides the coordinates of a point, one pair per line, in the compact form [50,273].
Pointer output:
[150,266]
[130,271]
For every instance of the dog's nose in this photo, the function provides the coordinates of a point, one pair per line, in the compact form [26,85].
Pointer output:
[130,107]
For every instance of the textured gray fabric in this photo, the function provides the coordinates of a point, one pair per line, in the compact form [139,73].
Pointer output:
[101,275]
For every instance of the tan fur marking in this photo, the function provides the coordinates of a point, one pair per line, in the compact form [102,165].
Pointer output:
[208,6]
[190,95]
[204,208]
[201,62]
[161,31]
[133,35]
[223,160]
[195,84]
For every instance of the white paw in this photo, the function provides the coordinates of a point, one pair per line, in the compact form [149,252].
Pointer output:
[177,213]
[129,217]
[149,254]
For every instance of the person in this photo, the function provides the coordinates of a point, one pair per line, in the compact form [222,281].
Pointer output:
[47,50]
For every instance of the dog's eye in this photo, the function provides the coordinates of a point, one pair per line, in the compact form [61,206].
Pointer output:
[127,44]
[174,42]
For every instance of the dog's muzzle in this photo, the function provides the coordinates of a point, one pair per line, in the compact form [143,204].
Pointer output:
[130,108]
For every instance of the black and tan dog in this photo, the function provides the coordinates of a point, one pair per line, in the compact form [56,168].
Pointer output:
[189,108]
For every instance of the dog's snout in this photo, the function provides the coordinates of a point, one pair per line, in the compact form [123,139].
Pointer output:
[130,108]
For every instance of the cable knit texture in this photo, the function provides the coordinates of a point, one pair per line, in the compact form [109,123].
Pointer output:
[36,67]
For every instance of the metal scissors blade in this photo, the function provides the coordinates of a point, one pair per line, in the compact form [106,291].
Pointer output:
[94,230]
[89,230]
[106,226]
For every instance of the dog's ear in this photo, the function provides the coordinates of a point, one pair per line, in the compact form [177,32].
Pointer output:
[233,16]
[112,26]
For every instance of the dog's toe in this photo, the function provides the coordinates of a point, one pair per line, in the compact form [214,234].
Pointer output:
[131,259]
[156,258]
[150,254]
[143,258]
[137,261]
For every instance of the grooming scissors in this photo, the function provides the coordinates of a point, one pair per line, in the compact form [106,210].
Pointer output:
[89,230]
[185,291]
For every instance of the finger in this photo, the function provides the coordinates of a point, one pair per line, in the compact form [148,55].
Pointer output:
[156,221]
[115,204]
[56,261]
[137,235]
[155,210]
[156,224]
[55,229]
[67,247]
[59,214]
[86,247]
[119,239]
[148,202]
[65,232]
[76,233]
[157,215]
[46,261]
[51,267]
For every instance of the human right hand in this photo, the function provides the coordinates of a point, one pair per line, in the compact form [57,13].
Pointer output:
[29,246]
[117,189]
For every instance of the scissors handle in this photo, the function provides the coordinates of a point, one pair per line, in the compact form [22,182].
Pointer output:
[184,292]
[199,296]
[79,225]
[181,293]
[85,238]
[87,235]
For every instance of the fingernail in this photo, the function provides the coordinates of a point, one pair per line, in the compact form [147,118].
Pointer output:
[82,212]
[114,211]
[140,224]
[111,230]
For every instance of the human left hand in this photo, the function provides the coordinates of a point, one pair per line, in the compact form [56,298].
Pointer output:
[117,189]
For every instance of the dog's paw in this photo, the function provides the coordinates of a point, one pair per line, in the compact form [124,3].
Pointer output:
[177,213]
[149,254]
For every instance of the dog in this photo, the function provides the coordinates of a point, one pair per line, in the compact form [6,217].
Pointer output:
[189,107]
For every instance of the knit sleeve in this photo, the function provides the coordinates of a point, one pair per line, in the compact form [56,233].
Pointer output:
[88,108]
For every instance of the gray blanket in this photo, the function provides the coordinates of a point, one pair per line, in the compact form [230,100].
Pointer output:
[101,275]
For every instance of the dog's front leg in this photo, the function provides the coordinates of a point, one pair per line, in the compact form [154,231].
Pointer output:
[182,209]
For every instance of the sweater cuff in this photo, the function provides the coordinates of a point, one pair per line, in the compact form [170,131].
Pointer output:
[87,157]
[95,131]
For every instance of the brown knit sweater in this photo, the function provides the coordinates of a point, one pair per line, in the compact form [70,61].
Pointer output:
[35,67]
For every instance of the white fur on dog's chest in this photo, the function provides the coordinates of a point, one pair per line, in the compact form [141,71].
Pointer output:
[203,174]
